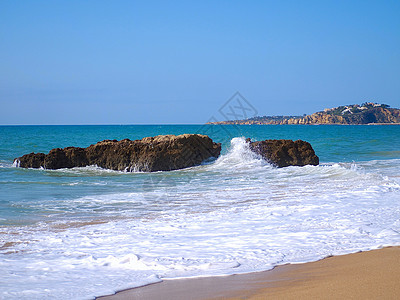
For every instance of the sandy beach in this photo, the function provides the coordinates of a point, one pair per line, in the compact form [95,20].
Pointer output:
[363,275]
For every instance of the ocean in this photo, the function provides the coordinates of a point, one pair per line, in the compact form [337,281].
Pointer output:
[85,232]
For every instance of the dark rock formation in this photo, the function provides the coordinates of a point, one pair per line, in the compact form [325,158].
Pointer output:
[283,153]
[160,153]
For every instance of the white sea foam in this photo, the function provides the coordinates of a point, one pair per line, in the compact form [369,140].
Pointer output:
[236,215]
[238,157]
[16,163]
[7,164]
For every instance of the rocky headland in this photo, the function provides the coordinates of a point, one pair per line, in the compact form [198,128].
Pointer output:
[366,113]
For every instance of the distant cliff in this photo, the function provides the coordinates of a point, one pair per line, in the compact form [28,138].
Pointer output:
[366,113]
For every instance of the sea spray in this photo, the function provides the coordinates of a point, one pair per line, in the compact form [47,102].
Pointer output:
[239,156]
[236,214]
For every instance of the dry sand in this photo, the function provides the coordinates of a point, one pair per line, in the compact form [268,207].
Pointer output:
[364,275]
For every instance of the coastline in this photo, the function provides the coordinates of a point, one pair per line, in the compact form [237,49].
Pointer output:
[305,124]
[371,274]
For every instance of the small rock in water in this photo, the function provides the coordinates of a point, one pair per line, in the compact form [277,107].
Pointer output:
[284,153]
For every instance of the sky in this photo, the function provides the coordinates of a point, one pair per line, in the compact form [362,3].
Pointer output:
[179,62]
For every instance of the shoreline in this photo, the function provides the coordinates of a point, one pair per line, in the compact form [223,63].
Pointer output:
[370,274]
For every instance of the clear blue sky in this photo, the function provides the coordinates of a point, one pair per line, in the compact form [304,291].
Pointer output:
[131,62]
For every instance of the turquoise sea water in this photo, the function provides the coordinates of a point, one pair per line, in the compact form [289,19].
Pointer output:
[236,214]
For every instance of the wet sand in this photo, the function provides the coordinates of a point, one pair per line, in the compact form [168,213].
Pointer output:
[364,275]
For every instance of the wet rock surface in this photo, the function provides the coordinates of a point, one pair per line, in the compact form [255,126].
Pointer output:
[160,153]
[284,153]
